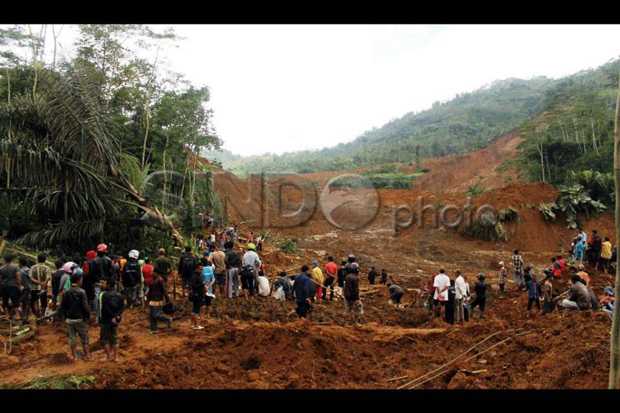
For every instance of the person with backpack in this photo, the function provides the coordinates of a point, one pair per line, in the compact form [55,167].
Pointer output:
[233,264]
[249,271]
[111,306]
[131,277]
[76,312]
[157,296]
[186,268]
[480,288]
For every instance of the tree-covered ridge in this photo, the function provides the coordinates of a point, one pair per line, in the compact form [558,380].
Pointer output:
[571,141]
[94,146]
[468,122]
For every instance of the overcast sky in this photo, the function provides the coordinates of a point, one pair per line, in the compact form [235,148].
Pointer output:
[284,88]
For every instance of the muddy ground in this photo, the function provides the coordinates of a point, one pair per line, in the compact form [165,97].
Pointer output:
[259,343]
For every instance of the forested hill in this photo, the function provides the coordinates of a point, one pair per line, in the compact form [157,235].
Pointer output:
[465,123]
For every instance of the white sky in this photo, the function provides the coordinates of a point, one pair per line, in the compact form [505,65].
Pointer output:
[290,87]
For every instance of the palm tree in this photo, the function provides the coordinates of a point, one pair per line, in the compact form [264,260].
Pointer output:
[61,153]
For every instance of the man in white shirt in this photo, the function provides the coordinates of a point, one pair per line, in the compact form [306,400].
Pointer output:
[250,265]
[441,283]
[462,293]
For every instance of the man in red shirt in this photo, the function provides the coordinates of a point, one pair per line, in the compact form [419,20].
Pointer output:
[331,271]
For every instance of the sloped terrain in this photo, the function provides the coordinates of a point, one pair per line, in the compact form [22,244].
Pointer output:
[259,343]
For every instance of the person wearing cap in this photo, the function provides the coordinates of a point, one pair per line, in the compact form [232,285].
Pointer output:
[502,275]
[480,288]
[76,312]
[608,301]
[249,271]
[396,293]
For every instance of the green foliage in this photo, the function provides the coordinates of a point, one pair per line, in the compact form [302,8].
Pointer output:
[572,202]
[289,246]
[78,140]
[574,133]
[487,228]
[475,190]
[69,382]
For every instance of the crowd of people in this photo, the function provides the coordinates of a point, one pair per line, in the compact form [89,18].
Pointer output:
[452,299]
[98,288]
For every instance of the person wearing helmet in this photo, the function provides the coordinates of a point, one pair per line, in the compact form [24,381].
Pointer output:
[76,312]
[249,271]
[130,278]
[480,288]
[501,277]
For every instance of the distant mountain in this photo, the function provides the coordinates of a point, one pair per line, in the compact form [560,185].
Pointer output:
[222,156]
[466,123]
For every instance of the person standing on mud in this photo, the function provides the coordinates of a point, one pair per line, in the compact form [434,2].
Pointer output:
[186,268]
[219,261]
[547,294]
[342,273]
[449,314]
[76,312]
[352,302]
[156,296]
[517,267]
[372,275]
[331,272]
[480,288]
[461,295]
[111,308]
[502,275]
[384,276]
[301,289]
[249,271]
[319,279]
[441,283]
[40,274]
[162,264]
[532,289]
[233,263]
